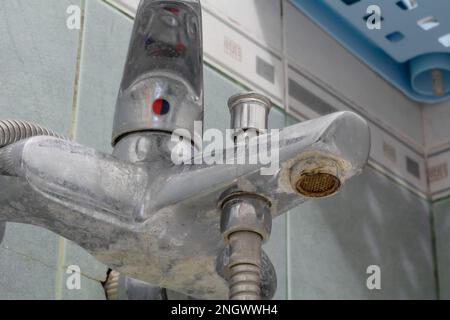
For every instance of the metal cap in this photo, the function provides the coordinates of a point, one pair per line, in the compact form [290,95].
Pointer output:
[249,111]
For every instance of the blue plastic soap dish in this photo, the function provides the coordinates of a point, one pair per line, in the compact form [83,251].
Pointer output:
[411,48]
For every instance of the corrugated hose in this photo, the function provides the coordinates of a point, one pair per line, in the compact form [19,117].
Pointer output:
[13,131]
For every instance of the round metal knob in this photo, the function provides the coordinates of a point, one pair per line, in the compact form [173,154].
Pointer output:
[249,113]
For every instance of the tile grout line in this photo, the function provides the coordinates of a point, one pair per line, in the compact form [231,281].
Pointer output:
[285,109]
[438,200]
[284,59]
[396,180]
[59,268]
[425,148]
[288,260]
[28,257]
[72,136]
[434,251]
[116,6]
[431,218]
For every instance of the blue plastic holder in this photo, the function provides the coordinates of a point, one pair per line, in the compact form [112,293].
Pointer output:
[411,49]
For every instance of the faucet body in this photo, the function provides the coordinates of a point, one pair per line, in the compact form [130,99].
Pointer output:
[138,212]
[152,220]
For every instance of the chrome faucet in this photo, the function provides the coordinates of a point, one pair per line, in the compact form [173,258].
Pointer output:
[193,228]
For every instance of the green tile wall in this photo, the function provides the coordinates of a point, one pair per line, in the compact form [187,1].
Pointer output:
[321,250]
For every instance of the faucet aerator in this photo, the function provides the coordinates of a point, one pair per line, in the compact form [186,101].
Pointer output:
[317,176]
[317,185]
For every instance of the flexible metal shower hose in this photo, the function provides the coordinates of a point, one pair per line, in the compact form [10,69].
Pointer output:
[12,131]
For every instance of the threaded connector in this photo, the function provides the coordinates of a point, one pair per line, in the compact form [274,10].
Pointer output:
[245,282]
[245,266]
[111,285]
[246,223]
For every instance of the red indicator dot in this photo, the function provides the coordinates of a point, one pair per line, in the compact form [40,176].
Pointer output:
[172,10]
[180,47]
[161,107]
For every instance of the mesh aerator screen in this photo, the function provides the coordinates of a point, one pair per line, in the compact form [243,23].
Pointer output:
[318,185]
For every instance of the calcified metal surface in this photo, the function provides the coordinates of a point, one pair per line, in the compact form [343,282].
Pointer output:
[149,219]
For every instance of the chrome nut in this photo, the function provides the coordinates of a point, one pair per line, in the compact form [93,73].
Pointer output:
[246,213]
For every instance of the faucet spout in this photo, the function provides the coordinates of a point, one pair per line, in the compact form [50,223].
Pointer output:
[162,85]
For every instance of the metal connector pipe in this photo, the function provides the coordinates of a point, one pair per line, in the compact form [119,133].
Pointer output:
[246,223]
[245,266]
